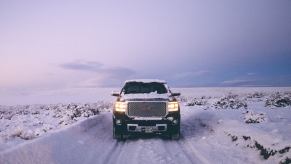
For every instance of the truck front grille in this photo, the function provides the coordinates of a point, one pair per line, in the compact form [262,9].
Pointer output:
[147,109]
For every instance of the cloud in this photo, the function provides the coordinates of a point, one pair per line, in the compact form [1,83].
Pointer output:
[99,75]
[238,82]
[93,66]
[83,66]
[247,79]
[257,80]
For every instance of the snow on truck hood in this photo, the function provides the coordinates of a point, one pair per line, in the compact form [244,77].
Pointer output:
[152,95]
[146,81]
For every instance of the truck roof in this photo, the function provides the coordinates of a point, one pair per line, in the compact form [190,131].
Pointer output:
[146,81]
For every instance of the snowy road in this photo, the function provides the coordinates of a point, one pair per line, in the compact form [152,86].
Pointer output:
[91,141]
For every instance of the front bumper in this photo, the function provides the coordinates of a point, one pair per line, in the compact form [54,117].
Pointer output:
[146,125]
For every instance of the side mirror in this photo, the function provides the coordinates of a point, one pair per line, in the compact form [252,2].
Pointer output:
[175,94]
[116,94]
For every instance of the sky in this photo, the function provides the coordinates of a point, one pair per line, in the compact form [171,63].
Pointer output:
[189,43]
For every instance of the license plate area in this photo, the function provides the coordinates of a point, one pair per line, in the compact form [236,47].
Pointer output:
[146,129]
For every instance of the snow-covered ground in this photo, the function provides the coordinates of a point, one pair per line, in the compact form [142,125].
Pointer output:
[27,122]
[219,125]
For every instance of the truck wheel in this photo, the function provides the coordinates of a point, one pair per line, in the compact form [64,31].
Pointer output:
[117,134]
[175,136]
[176,133]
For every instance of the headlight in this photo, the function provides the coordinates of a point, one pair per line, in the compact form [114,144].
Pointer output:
[120,106]
[173,106]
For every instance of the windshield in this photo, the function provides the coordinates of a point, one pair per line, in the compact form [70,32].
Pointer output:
[140,87]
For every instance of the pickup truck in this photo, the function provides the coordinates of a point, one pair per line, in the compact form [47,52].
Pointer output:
[146,106]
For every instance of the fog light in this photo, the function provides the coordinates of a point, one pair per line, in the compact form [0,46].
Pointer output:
[175,121]
[118,121]
[170,118]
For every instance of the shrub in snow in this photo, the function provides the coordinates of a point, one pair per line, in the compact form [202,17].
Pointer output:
[183,98]
[197,101]
[282,155]
[252,117]
[27,135]
[230,101]
[286,161]
[23,134]
[233,137]
[30,121]
[16,133]
[279,100]
[192,101]
[80,110]
[4,114]
[256,95]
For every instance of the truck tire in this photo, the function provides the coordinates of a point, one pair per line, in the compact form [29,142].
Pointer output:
[175,135]
[117,133]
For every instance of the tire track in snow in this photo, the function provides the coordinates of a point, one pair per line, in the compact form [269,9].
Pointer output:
[182,151]
[178,150]
[112,153]
[155,152]
[195,152]
[113,148]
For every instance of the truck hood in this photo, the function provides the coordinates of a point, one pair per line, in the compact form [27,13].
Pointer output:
[145,96]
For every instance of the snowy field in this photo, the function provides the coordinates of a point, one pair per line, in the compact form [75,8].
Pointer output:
[219,125]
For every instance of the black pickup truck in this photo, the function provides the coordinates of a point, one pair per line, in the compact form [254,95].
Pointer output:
[146,106]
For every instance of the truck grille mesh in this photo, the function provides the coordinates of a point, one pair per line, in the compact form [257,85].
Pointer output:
[147,109]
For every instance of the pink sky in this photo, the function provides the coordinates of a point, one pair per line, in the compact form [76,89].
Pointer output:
[64,44]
